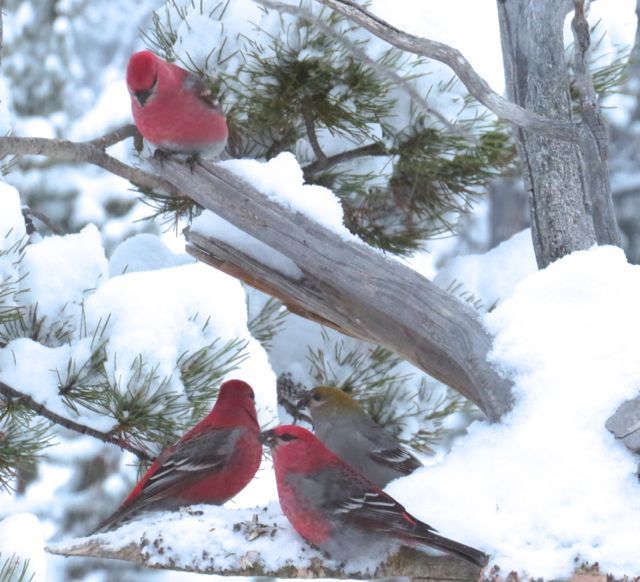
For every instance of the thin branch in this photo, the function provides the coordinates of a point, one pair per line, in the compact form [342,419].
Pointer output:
[398,81]
[372,149]
[90,152]
[589,106]
[116,136]
[42,410]
[310,127]
[594,141]
[475,84]
[29,213]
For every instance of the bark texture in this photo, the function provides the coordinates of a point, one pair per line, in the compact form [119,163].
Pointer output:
[347,285]
[567,183]
[406,563]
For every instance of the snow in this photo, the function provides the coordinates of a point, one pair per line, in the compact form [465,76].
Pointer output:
[212,225]
[205,536]
[21,536]
[159,315]
[491,276]
[549,484]
[74,265]
[12,231]
[281,180]
[150,316]
[144,252]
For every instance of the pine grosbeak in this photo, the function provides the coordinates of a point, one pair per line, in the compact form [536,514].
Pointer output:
[346,429]
[336,508]
[172,108]
[210,464]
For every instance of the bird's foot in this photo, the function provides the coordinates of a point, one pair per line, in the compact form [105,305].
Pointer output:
[161,155]
[192,160]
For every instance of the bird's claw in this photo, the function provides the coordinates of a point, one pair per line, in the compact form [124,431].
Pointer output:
[161,155]
[192,160]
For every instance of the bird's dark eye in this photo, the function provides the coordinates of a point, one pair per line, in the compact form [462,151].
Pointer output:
[317,397]
[287,437]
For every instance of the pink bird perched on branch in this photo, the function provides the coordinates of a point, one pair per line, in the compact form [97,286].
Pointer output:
[339,510]
[212,463]
[173,109]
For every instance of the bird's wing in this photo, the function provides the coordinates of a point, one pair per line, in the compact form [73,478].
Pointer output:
[185,462]
[353,498]
[397,458]
[385,449]
[194,83]
[206,452]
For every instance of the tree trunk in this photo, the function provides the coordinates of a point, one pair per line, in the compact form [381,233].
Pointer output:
[567,184]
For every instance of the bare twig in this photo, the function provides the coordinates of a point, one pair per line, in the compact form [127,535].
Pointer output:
[29,213]
[42,410]
[372,149]
[475,84]
[595,141]
[91,152]
[116,136]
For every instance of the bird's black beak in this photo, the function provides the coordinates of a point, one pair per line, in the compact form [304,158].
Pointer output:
[267,437]
[143,96]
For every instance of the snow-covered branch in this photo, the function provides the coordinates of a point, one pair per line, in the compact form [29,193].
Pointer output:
[360,291]
[248,542]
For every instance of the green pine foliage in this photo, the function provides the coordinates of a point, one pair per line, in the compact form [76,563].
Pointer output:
[146,411]
[14,569]
[10,285]
[309,84]
[266,324]
[23,437]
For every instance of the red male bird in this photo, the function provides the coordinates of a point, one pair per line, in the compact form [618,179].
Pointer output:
[213,462]
[339,510]
[172,108]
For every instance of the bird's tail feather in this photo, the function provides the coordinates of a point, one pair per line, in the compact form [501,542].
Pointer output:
[468,553]
[116,519]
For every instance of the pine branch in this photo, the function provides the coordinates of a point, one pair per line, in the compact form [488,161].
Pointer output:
[40,409]
[397,80]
